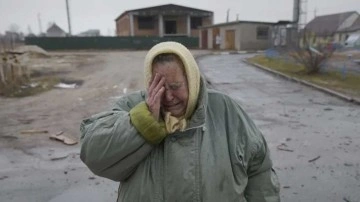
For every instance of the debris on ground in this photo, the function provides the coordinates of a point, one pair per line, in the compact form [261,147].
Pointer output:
[314,159]
[9,137]
[62,138]
[3,177]
[31,85]
[25,121]
[33,131]
[345,199]
[284,147]
[348,164]
[31,50]
[65,86]
[59,158]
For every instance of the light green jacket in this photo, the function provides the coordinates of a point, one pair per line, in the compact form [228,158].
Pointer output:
[221,156]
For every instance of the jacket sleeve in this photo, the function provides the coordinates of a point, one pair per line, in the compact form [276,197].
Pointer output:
[262,184]
[112,146]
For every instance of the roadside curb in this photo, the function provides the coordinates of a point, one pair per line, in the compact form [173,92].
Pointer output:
[326,90]
[234,52]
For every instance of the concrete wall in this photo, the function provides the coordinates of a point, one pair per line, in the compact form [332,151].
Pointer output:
[223,30]
[206,21]
[210,38]
[245,36]
[181,25]
[341,37]
[248,37]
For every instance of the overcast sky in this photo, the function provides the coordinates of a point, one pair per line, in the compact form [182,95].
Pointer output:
[96,14]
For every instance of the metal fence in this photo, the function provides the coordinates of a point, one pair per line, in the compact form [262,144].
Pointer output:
[132,43]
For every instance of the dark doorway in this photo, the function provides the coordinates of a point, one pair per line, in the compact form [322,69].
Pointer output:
[170,27]
[204,39]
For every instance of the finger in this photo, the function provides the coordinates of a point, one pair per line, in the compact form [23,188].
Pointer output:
[154,80]
[153,84]
[160,84]
[158,95]
[154,90]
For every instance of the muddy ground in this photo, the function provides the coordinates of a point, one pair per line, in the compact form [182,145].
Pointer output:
[35,168]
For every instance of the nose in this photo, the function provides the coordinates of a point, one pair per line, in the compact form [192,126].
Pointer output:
[168,95]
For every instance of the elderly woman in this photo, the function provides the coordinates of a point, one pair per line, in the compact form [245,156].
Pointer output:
[179,141]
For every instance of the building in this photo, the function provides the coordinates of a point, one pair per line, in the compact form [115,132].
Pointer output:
[55,31]
[238,35]
[333,28]
[13,36]
[342,35]
[90,33]
[163,20]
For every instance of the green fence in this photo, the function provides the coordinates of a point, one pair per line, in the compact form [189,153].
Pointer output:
[79,43]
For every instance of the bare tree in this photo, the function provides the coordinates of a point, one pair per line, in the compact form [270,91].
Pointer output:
[310,55]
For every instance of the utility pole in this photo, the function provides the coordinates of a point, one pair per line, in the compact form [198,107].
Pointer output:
[237,17]
[303,14]
[68,16]
[227,15]
[39,21]
[315,10]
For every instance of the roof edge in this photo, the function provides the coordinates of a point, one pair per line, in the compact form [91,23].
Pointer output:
[238,22]
[133,10]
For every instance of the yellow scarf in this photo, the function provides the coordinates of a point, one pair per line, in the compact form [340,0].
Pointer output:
[193,77]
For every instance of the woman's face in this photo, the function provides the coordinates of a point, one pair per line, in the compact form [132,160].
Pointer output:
[176,93]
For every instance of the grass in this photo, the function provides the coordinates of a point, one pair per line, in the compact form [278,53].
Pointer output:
[349,85]
[42,84]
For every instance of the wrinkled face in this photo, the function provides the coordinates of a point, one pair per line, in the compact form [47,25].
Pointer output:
[176,93]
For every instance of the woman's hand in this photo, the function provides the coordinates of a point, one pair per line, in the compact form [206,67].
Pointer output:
[155,93]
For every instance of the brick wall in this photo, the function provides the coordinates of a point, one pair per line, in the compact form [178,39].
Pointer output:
[123,26]
[146,32]
[205,21]
[181,22]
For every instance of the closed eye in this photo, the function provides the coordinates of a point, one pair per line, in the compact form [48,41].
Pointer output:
[174,86]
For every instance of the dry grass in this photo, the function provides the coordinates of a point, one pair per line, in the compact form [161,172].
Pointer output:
[345,56]
[33,87]
[349,85]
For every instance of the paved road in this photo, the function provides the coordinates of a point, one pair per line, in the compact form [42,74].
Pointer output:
[310,125]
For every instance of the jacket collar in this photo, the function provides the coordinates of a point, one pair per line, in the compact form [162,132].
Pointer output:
[197,119]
